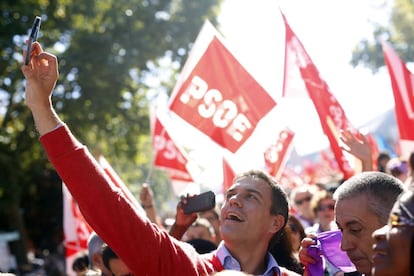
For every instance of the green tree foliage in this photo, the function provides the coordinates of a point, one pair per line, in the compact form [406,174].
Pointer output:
[399,32]
[107,50]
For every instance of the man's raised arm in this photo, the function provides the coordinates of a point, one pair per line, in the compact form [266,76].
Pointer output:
[41,76]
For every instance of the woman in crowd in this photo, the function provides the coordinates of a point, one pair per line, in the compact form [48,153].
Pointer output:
[394,243]
[296,233]
[323,206]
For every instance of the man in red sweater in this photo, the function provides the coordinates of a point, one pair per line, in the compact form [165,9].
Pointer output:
[254,212]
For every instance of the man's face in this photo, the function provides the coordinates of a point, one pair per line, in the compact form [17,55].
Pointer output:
[98,263]
[357,224]
[302,203]
[245,214]
[325,212]
[119,268]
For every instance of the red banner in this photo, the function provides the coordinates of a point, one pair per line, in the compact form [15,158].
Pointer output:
[221,99]
[331,114]
[275,155]
[76,230]
[374,150]
[166,154]
[228,175]
[402,86]
[180,182]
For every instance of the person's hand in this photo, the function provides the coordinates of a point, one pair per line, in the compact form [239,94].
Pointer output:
[357,145]
[41,75]
[182,219]
[304,258]
[146,196]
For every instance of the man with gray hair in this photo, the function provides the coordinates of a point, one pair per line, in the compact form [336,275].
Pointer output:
[95,244]
[363,203]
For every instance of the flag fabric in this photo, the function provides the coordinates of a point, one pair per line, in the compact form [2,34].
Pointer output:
[402,81]
[167,154]
[75,229]
[228,175]
[217,95]
[374,150]
[276,155]
[182,183]
[332,116]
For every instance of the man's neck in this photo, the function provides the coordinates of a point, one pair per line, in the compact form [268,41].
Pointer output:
[251,259]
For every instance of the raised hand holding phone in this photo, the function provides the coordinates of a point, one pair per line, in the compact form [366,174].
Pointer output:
[32,37]
[199,203]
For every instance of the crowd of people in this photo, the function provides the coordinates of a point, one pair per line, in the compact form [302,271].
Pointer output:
[260,229]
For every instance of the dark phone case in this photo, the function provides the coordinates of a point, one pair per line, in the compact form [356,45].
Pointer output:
[32,37]
[199,203]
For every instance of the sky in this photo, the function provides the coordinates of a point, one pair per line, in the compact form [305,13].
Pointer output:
[329,30]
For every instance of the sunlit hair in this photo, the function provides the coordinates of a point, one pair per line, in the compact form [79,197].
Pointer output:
[280,204]
[202,222]
[94,246]
[381,189]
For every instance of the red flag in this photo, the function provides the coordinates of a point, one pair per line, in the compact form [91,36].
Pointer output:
[331,114]
[275,155]
[167,154]
[75,229]
[402,81]
[220,98]
[228,175]
[182,183]
[374,150]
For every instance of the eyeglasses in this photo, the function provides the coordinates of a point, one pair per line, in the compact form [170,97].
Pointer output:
[303,200]
[322,207]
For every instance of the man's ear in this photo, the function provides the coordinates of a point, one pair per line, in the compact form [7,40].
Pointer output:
[277,223]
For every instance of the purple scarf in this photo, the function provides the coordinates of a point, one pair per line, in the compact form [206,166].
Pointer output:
[328,244]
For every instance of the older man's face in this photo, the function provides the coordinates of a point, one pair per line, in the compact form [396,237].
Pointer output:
[357,224]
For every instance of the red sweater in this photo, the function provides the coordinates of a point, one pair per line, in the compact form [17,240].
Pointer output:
[145,249]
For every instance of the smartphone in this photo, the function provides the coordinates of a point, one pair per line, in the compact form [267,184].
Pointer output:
[199,203]
[32,37]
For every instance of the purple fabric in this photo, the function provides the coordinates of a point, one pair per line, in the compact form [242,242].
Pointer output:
[330,247]
[317,268]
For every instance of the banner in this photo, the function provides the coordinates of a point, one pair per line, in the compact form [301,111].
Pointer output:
[76,230]
[276,155]
[182,183]
[331,114]
[167,155]
[402,81]
[217,95]
[228,175]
